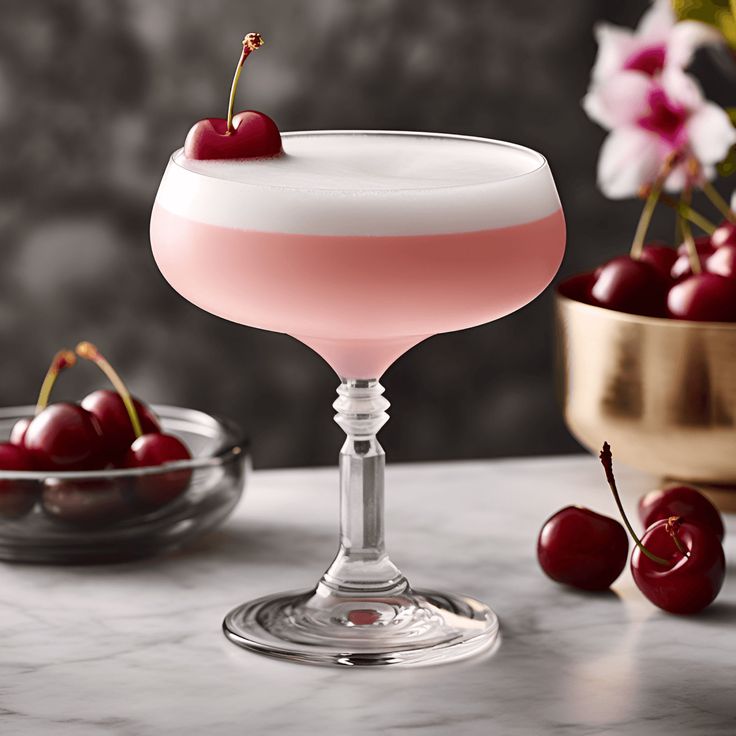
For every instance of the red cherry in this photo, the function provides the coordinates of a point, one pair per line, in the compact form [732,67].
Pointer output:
[678,565]
[249,134]
[93,502]
[17,497]
[685,502]
[681,268]
[149,450]
[581,548]
[254,135]
[722,261]
[704,297]
[724,234]
[65,437]
[693,580]
[660,256]
[109,410]
[578,287]
[18,433]
[628,285]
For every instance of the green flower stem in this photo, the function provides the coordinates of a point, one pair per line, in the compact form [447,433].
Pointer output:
[688,213]
[719,203]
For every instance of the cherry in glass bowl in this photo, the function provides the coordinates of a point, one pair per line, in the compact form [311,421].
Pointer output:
[112,515]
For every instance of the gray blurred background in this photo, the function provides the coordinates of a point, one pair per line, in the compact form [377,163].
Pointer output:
[95,94]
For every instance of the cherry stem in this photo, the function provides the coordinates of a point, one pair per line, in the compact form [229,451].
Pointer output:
[63,359]
[717,200]
[645,219]
[606,458]
[672,525]
[688,213]
[88,351]
[251,42]
[687,236]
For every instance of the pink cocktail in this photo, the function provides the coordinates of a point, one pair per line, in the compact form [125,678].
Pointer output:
[361,244]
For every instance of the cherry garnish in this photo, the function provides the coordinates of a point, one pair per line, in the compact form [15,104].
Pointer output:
[85,502]
[109,410]
[158,489]
[703,297]
[722,261]
[682,501]
[678,565]
[629,285]
[65,437]
[581,548]
[249,134]
[17,497]
[692,578]
[683,267]
[660,256]
[725,234]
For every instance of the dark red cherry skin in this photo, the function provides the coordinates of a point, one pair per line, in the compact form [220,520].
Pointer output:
[255,135]
[18,433]
[109,410]
[725,234]
[578,287]
[692,582]
[17,497]
[704,297]
[581,548]
[661,257]
[722,261]
[683,501]
[65,437]
[158,489]
[628,285]
[681,268]
[85,503]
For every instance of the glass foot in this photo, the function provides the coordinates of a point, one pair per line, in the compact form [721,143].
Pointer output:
[324,627]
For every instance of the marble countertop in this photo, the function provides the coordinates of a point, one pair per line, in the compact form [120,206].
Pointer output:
[136,649]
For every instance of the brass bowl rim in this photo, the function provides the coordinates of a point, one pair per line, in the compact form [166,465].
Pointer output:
[679,324]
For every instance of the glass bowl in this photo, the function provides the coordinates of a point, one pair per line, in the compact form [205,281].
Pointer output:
[113,515]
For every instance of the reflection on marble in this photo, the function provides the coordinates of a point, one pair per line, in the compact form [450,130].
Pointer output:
[136,649]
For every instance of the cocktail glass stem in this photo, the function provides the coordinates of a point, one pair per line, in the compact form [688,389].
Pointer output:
[363,610]
[362,564]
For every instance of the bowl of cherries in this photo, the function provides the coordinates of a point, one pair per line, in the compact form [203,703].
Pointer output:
[646,348]
[111,478]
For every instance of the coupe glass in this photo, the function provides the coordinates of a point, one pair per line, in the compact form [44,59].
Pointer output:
[362,275]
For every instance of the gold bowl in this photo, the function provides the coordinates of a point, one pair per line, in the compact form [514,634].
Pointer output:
[661,391]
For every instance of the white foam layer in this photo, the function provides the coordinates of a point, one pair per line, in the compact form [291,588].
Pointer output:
[366,183]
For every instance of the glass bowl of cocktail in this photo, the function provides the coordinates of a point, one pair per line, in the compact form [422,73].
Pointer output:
[361,244]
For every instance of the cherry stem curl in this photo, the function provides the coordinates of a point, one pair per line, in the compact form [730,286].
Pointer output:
[88,351]
[62,360]
[251,42]
[606,459]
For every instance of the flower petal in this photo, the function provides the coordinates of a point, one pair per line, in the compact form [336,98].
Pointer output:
[656,24]
[711,133]
[682,89]
[630,157]
[619,100]
[686,37]
[615,45]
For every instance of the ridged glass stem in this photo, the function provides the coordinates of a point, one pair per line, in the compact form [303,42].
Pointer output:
[362,564]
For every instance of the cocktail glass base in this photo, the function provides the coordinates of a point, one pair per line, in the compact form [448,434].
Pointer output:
[323,627]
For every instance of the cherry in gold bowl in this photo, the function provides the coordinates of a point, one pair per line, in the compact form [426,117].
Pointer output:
[662,392]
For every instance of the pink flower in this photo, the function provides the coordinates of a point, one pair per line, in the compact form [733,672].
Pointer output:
[640,93]
[660,117]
